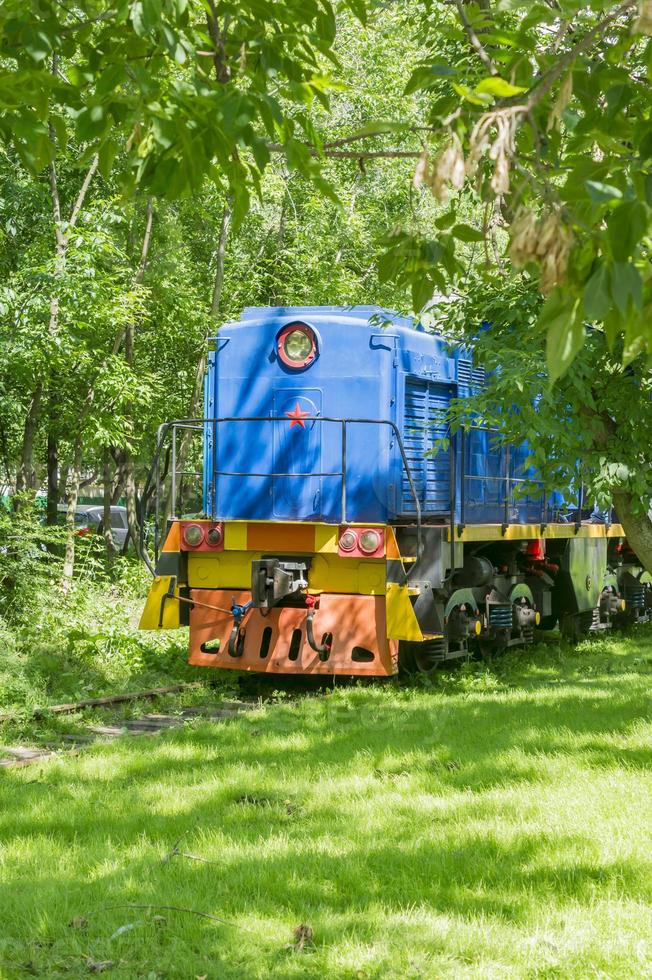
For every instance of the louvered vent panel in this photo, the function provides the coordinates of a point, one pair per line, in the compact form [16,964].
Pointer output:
[425,408]
[469,376]
[464,372]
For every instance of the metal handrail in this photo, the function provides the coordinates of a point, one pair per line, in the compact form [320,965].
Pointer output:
[152,480]
[505,479]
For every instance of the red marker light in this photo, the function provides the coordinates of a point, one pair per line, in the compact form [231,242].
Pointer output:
[193,535]
[370,541]
[214,536]
[348,540]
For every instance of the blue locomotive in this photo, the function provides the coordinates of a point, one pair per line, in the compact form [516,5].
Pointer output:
[344,528]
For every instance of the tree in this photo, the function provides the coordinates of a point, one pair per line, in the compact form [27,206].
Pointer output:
[590,428]
[543,111]
[130,334]
[185,90]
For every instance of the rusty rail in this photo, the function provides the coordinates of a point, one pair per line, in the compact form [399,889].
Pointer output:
[59,709]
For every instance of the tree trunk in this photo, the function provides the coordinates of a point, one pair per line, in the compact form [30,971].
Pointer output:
[138,278]
[216,299]
[132,512]
[196,397]
[53,468]
[129,480]
[75,473]
[637,526]
[26,476]
[121,475]
[107,478]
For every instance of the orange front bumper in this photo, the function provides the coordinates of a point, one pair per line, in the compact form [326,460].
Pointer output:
[357,623]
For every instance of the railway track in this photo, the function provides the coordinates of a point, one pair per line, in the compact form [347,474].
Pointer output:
[16,756]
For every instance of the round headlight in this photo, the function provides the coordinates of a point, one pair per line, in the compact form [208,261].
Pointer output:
[214,536]
[369,542]
[297,345]
[193,535]
[348,540]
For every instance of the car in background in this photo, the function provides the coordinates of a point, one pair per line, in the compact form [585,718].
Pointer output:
[89,519]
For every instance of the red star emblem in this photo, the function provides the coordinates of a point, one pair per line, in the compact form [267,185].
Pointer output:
[297,416]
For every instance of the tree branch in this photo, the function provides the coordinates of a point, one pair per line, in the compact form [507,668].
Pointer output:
[346,140]
[475,41]
[549,78]
[147,236]
[79,203]
[56,203]
[222,70]
[219,269]
[353,154]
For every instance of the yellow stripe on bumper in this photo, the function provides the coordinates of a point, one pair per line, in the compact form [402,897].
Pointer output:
[525,532]
[151,615]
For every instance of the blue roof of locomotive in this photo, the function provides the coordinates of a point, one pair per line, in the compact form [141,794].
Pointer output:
[361,315]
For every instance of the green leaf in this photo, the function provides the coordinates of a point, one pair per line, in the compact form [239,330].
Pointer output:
[626,286]
[60,131]
[359,8]
[635,342]
[617,97]
[422,291]
[110,78]
[565,338]
[645,146]
[445,220]
[597,299]
[602,193]
[498,87]
[475,98]
[557,304]
[626,226]
[425,76]
[466,233]
[106,156]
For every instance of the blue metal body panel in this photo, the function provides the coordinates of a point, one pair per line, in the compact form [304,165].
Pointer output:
[261,464]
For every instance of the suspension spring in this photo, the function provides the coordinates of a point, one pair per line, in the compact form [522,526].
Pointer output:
[501,615]
[635,596]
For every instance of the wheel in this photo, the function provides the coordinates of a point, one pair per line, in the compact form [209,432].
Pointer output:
[548,623]
[421,658]
[493,645]
[576,626]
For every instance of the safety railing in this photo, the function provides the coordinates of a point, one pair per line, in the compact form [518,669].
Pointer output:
[505,479]
[508,482]
[209,427]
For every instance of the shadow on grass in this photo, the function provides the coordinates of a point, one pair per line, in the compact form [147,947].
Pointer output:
[337,805]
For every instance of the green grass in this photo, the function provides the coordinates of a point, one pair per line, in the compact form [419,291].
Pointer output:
[56,648]
[495,824]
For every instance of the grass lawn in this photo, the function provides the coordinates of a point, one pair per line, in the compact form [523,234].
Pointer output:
[494,824]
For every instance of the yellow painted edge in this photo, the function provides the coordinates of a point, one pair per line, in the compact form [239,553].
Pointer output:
[402,623]
[391,547]
[329,572]
[150,615]
[520,532]
[235,536]
[326,538]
